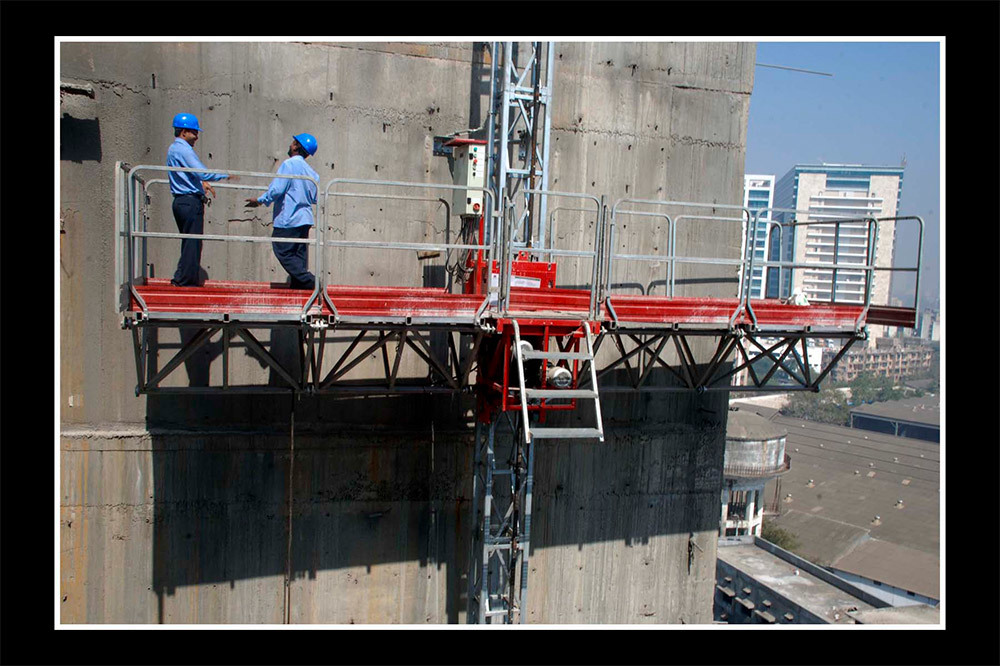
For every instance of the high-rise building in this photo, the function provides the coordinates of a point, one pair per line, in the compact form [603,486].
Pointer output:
[758,195]
[828,192]
[930,324]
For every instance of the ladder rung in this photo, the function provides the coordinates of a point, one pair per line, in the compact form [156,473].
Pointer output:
[559,393]
[566,433]
[558,356]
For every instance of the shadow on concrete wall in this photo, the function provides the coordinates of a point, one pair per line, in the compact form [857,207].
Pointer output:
[359,499]
[79,139]
[381,480]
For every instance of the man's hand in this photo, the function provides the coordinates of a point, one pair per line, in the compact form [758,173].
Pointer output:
[251,203]
[209,189]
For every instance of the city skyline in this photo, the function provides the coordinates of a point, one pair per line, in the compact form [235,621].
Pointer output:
[880,107]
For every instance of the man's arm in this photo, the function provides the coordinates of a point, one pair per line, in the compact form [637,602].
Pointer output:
[277,188]
[190,160]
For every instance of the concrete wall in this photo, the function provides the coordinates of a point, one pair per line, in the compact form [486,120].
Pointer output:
[180,509]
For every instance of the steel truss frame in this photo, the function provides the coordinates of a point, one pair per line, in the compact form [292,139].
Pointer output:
[501,489]
[447,371]
[741,347]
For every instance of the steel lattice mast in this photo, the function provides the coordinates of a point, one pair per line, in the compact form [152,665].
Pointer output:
[518,139]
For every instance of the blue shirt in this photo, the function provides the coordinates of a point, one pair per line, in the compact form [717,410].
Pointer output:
[293,197]
[181,154]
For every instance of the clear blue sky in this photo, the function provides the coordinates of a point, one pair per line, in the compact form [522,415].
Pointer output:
[881,104]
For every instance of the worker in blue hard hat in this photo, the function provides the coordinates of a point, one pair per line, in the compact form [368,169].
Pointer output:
[293,200]
[189,196]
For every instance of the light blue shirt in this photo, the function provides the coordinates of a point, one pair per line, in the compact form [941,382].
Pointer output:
[181,154]
[293,197]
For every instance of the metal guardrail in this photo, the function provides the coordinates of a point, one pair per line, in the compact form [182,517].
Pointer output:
[501,244]
[490,247]
[511,246]
[134,237]
[670,257]
[920,248]
[866,268]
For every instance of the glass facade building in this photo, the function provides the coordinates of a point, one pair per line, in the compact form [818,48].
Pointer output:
[758,196]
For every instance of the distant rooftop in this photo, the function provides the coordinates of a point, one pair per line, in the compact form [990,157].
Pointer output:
[908,568]
[863,167]
[924,410]
[841,479]
[917,614]
[794,583]
[747,425]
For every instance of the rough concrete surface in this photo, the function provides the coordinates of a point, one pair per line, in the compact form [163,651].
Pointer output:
[176,508]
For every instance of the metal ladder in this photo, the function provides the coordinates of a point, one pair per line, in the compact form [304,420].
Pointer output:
[531,432]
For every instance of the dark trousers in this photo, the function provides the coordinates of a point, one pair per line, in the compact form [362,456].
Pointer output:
[189,214]
[294,257]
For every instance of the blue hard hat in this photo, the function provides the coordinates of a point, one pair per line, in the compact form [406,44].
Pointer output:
[307,141]
[186,121]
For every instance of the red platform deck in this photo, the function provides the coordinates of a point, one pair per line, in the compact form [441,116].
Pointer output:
[247,299]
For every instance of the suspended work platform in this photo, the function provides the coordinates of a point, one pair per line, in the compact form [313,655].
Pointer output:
[758,341]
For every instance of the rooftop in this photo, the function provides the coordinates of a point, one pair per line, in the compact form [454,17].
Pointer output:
[795,584]
[925,410]
[918,614]
[840,480]
[908,568]
[746,425]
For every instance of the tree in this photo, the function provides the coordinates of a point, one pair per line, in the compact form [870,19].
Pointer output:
[868,388]
[825,407]
[781,538]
